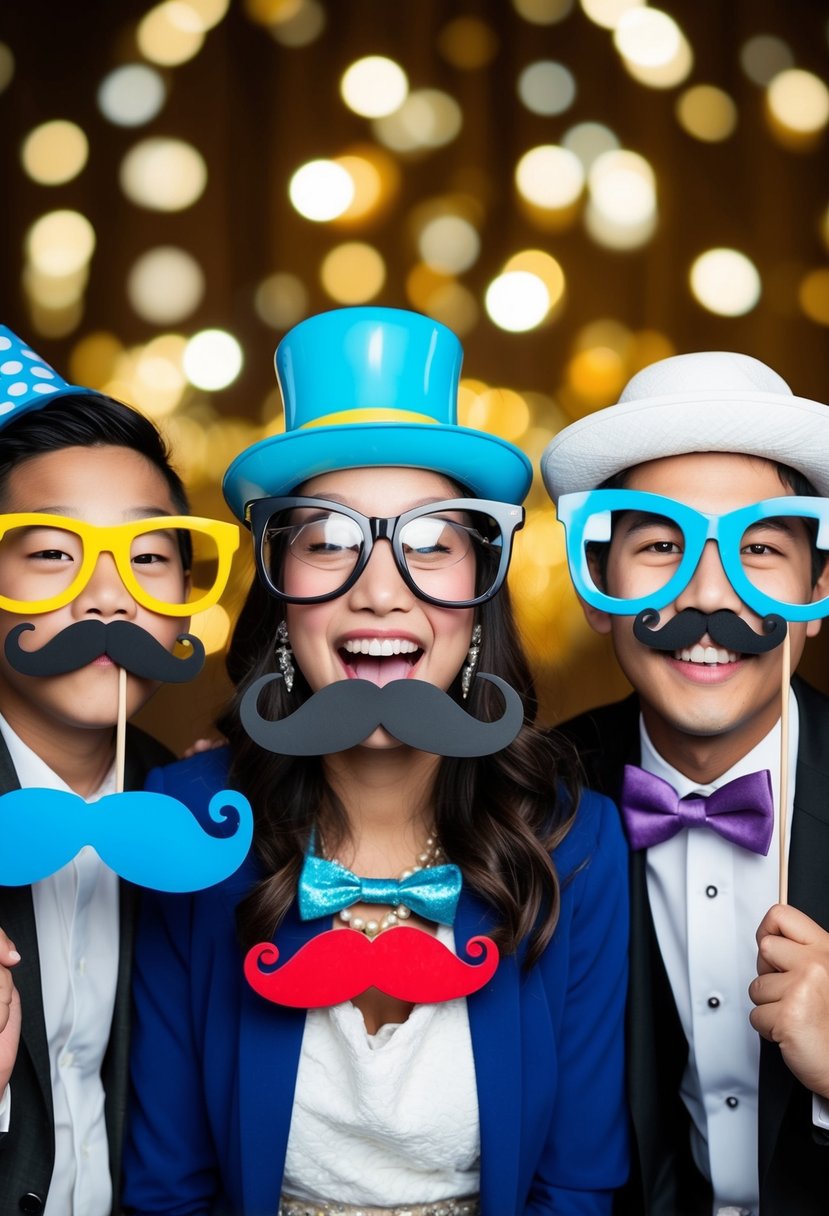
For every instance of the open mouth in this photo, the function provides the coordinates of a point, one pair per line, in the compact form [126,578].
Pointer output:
[708,656]
[380,660]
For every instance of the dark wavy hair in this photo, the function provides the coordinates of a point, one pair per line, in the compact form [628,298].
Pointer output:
[497,817]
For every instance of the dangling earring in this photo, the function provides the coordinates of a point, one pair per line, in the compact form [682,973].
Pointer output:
[284,656]
[471,661]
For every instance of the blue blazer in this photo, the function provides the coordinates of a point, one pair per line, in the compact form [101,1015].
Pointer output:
[214,1065]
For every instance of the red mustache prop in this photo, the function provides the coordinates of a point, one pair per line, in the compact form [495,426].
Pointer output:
[339,964]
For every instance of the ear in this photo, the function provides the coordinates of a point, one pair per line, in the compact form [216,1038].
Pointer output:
[597,619]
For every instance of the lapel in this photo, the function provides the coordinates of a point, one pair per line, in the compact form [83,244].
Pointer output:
[17,918]
[808,889]
[495,1027]
[270,1041]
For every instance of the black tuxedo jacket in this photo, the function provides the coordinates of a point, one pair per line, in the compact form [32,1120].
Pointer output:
[27,1152]
[793,1156]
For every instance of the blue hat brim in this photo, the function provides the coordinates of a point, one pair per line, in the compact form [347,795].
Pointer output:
[489,467]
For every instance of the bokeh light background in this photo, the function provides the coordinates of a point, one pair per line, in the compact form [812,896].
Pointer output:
[576,187]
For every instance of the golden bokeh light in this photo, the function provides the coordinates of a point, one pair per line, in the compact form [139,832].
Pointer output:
[726,282]
[6,66]
[94,359]
[55,152]
[596,376]
[353,273]
[500,411]
[428,118]
[304,24]
[163,174]
[608,13]
[588,141]
[763,57]
[321,190]
[54,291]
[517,300]
[374,86]
[60,243]
[281,300]
[449,244]
[707,113]
[798,106]
[376,179]
[212,359]
[544,267]
[550,177]
[170,34]
[165,285]
[813,296]
[543,12]
[468,43]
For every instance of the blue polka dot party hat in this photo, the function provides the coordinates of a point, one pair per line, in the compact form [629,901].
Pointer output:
[27,382]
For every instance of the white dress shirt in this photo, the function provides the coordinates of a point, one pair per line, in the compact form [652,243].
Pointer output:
[388,1119]
[76,915]
[707,898]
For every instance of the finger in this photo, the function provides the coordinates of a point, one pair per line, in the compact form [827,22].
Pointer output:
[763,1018]
[766,989]
[782,920]
[8,951]
[778,954]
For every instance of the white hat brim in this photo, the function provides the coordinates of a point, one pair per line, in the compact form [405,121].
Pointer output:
[775,426]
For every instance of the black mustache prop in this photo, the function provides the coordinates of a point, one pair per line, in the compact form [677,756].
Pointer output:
[723,627]
[346,713]
[126,644]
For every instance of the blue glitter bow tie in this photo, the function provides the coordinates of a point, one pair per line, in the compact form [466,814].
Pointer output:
[325,887]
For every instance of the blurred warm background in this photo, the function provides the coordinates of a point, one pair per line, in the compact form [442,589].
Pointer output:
[576,187]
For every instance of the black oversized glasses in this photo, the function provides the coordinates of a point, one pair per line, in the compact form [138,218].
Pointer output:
[454,554]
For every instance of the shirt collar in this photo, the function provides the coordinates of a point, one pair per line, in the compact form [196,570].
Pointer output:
[35,773]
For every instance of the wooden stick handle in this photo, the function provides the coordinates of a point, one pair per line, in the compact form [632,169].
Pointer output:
[783,793]
[121,731]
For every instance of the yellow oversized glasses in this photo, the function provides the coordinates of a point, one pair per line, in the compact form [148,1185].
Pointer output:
[175,565]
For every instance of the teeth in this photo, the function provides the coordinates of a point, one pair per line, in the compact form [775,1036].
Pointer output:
[706,654]
[380,647]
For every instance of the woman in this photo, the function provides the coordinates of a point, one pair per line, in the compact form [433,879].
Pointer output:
[510,1100]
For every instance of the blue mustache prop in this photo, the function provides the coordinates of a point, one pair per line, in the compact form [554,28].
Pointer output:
[146,837]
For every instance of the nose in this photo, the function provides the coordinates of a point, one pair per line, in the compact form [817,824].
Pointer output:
[105,594]
[709,589]
[380,588]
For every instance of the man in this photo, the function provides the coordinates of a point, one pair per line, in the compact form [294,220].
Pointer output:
[723,1121]
[65,954]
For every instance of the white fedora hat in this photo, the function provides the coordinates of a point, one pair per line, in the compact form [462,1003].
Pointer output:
[713,401]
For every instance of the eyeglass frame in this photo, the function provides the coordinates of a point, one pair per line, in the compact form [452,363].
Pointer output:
[116,539]
[576,509]
[509,517]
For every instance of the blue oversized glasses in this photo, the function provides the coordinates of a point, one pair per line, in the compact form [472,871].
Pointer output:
[765,549]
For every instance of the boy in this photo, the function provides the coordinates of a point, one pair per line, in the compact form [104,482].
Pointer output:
[723,1122]
[66,951]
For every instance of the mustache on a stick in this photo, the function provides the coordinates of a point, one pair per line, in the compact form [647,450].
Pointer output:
[725,628]
[127,645]
[347,712]
[336,966]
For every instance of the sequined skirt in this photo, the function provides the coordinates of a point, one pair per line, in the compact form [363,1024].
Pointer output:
[467,1205]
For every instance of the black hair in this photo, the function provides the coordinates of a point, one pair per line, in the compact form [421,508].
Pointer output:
[78,420]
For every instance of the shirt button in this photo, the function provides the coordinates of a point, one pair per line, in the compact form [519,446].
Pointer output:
[82,966]
[732,1102]
[68,1059]
[711,891]
[713,1002]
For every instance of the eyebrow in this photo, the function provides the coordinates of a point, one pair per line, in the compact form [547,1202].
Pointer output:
[133,513]
[638,521]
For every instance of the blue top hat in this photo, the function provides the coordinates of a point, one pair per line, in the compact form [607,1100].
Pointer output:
[27,382]
[364,387]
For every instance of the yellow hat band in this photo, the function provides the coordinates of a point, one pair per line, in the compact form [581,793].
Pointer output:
[344,417]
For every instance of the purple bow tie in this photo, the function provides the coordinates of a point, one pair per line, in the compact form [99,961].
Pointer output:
[742,811]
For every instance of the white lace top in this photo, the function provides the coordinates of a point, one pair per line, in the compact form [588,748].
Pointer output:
[385,1119]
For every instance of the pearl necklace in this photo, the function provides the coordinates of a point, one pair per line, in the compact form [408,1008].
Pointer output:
[431,856]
